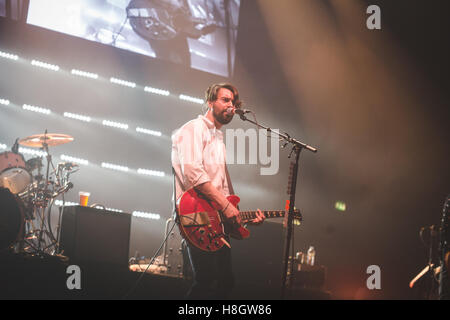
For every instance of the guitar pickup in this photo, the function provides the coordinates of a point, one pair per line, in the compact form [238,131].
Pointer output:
[196,219]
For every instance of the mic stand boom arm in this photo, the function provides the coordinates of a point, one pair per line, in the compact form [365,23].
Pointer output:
[297,147]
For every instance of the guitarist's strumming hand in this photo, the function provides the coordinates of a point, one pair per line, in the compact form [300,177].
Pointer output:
[232,213]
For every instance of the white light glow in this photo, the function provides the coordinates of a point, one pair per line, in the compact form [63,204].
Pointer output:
[36,109]
[84,74]
[150,132]
[66,204]
[191,99]
[77,116]
[150,172]
[32,152]
[3,146]
[45,65]
[4,101]
[146,215]
[114,167]
[115,124]
[157,91]
[8,55]
[74,159]
[123,82]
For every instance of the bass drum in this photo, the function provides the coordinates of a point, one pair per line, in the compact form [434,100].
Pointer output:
[11,218]
[13,173]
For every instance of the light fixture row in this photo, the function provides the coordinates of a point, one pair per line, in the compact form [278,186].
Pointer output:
[92,75]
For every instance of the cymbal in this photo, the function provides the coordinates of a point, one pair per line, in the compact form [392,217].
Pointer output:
[50,139]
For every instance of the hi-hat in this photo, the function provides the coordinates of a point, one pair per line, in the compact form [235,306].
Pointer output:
[48,139]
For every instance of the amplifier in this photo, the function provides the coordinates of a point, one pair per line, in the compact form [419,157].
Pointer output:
[90,235]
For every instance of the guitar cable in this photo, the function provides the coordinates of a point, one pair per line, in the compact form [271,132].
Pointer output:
[149,264]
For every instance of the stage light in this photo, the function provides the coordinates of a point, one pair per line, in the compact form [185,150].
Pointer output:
[123,82]
[115,124]
[114,167]
[340,206]
[32,152]
[8,55]
[66,203]
[151,172]
[36,109]
[84,74]
[146,215]
[191,99]
[77,116]
[4,101]
[74,159]
[157,91]
[45,65]
[150,132]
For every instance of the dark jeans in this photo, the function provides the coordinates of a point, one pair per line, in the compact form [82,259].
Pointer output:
[213,276]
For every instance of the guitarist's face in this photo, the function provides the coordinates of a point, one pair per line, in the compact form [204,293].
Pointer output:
[219,107]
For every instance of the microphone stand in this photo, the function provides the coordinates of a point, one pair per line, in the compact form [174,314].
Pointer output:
[297,147]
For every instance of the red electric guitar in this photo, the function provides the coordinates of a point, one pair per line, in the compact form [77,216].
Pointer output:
[202,224]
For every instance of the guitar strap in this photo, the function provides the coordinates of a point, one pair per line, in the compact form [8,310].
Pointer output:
[174,197]
[230,186]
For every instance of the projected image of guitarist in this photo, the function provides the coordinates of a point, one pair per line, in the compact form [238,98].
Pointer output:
[206,207]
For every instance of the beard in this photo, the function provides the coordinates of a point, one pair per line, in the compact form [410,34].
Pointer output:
[222,117]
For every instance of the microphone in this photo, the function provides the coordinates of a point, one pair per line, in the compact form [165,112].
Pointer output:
[238,111]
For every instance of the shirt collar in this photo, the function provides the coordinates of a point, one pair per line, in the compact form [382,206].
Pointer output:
[210,125]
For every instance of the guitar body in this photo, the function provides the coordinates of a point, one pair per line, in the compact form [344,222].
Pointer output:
[202,225]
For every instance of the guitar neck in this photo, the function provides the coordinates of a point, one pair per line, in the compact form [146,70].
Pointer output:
[250,215]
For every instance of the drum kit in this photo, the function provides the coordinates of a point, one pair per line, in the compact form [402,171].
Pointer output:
[27,195]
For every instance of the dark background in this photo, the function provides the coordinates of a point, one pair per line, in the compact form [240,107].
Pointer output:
[374,102]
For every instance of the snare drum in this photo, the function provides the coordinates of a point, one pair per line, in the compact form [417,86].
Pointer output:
[13,173]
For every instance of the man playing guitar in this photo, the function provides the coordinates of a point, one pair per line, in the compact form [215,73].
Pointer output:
[199,163]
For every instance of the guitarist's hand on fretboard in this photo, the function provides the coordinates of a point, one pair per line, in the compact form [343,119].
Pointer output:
[260,217]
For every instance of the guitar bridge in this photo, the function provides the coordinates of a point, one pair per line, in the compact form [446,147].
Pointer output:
[196,219]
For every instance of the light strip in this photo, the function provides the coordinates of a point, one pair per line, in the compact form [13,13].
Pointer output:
[114,167]
[151,172]
[123,82]
[115,124]
[8,55]
[84,74]
[146,215]
[66,203]
[32,152]
[150,132]
[77,116]
[45,65]
[74,159]
[36,109]
[157,91]
[4,101]
[191,99]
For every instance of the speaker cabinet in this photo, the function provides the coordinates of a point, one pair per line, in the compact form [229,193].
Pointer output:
[90,235]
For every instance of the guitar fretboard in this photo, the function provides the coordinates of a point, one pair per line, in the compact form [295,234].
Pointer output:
[250,215]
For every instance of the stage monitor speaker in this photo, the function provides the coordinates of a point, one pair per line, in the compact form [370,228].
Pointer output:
[90,235]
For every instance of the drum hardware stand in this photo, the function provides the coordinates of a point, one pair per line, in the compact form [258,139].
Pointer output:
[41,197]
[296,148]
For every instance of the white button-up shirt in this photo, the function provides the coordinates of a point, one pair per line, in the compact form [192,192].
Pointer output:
[199,156]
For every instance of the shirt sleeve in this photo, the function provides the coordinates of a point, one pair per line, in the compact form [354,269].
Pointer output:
[190,145]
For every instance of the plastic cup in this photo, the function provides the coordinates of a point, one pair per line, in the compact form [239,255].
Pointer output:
[84,197]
